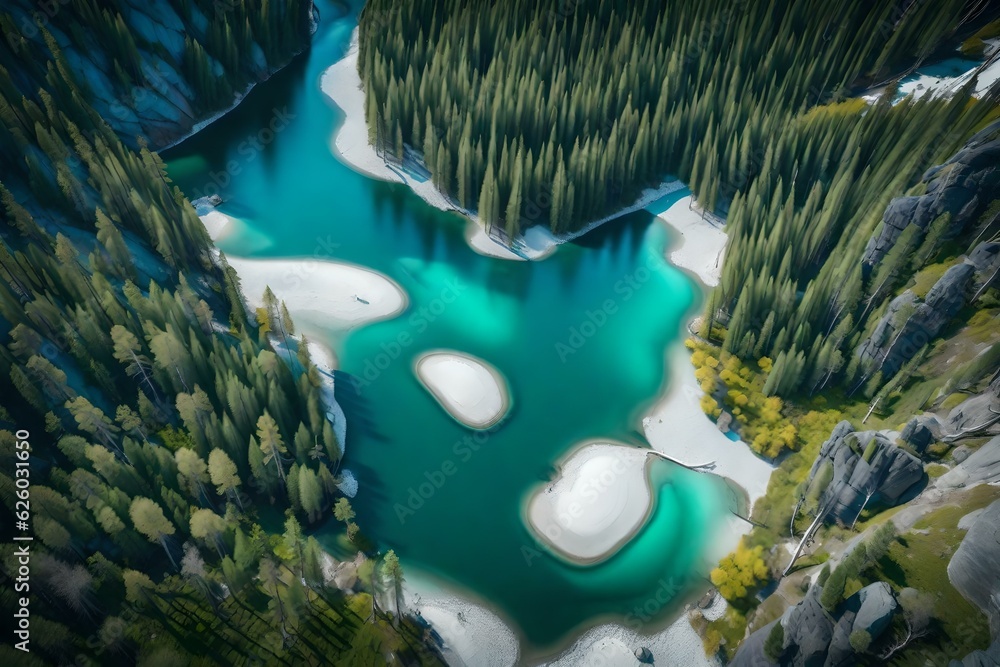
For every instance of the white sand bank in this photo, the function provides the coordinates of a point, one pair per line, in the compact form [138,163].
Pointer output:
[702,242]
[469,389]
[613,645]
[322,290]
[920,84]
[471,634]
[323,357]
[599,500]
[679,428]
[341,294]
[474,635]
[480,241]
[221,226]
[217,224]
[342,84]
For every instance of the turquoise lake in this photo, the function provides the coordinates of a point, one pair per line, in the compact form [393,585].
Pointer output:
[298,201]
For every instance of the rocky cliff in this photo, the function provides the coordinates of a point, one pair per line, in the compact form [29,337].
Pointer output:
[975,568]
[815,638]
[156,69]
[958,187]
[910,323]
[858,469]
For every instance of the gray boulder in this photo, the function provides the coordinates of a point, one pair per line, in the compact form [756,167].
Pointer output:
[881,477]
[982,465]
[954,187]
[974,567]
[724,422]
[960,453]
[751,650]
[988,658]
[809,630]
[877,604]
[986,260]
[920,431]
[840,652]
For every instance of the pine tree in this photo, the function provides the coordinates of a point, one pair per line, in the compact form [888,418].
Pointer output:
[149,520]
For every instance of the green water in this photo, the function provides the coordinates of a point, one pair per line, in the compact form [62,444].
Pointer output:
[297,200]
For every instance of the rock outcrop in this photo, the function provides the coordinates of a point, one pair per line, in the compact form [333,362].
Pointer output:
[974,567]
[986,260]
[920,432]
[988,658]
[910,323]
[751,650]
[978,415]
[982,465]
[808,630]
[954,187]
[876,606]
[815,638]
[156,95]
[861,468]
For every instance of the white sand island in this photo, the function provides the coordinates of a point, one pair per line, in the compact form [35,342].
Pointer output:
[599,500]
[469,389]
[341,294]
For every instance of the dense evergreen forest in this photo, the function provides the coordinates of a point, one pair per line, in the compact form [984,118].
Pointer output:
[155,69]
[860,281]
[180,446]
[574,109]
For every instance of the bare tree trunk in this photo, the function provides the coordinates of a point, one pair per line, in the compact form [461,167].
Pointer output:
[986,285]
[868,497]
[163,543]
[795,514]
[813,527]
[900,645]
[871,409]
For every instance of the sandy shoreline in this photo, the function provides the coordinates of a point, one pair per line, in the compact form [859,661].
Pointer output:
[484,638]
[677,426]
[469,389]
[702,244]
[342,85]
[473,634]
